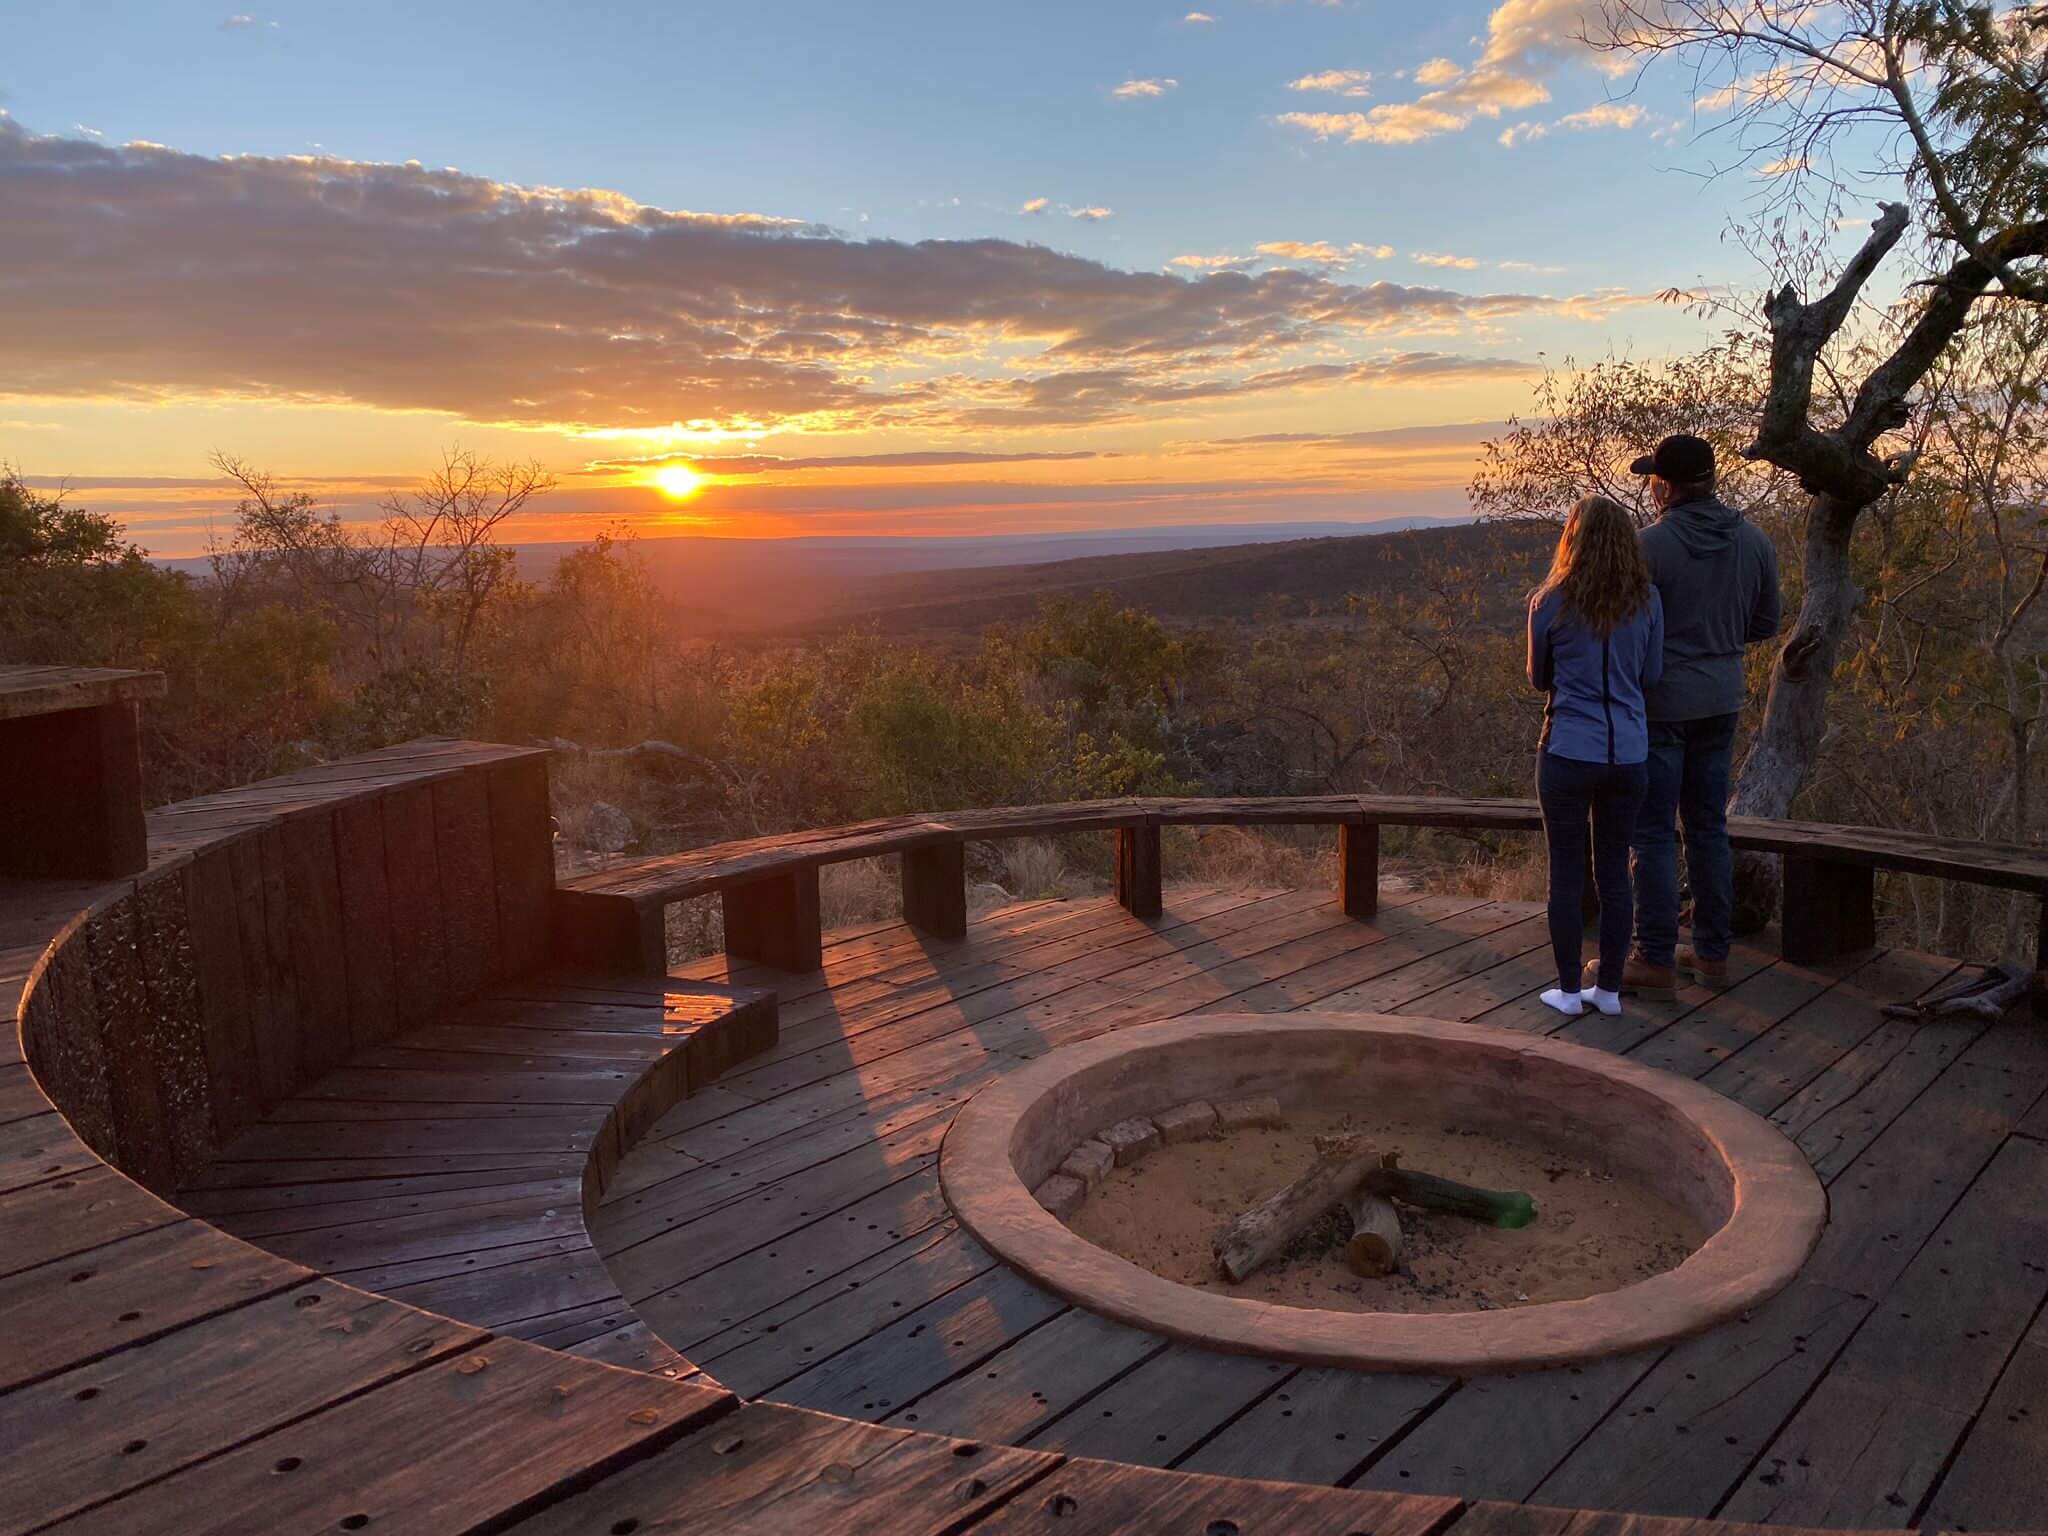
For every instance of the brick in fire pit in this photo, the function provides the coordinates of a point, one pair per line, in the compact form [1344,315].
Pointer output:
[1130,1139]
[1237,1114]
[1061,1195]
[1186,1122]
[1089,1162]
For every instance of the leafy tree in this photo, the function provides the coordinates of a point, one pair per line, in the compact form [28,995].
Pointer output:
[1943,98]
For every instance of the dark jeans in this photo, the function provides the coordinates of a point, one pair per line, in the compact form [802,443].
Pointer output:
[1609,795]
[1689,768]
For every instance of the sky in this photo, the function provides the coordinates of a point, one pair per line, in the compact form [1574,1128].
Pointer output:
[799,268]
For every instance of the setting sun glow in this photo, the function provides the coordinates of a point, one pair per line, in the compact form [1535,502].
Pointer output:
[678,482]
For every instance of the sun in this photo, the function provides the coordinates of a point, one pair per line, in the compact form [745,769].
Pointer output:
[678,482]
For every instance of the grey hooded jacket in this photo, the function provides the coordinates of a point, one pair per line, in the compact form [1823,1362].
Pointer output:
[1718,575]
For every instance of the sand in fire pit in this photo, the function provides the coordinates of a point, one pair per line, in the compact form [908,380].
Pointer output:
[1593,1232]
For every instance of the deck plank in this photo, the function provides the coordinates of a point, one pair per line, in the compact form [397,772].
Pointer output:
[477,1438]
[766,1469]
[91,1434]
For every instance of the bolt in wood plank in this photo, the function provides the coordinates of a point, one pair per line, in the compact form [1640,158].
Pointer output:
[1358,868]
[1319,1426]
[774,920]
[772,1469]
[1164,1408]
[1867,1445]
[39,1147]
[1018,1390]
[462,1444]
[89,1435]
[935,889]
[1995,1480]
[79,1308]
[58,1217]
[1098,1498]
[1138,870]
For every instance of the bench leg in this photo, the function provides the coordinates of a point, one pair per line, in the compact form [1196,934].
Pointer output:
[2041,963]
[71,795]
[609,933]
[774,920]
[1830,910]
[935,889]
[1358,868]
[1137,870]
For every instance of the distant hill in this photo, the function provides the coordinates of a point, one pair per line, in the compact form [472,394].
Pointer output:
[735,586]
[1239,581]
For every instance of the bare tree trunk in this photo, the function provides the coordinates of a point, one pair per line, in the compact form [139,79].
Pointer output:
[1795,716]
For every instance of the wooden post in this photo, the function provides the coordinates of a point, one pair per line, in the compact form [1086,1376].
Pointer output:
[609,933]
[935,888]
[2041,962]
[1137,870]
[1358,868]
[774,920]
[1829,909]
[71,794]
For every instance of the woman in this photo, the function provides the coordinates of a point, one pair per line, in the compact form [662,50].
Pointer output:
[1596,639]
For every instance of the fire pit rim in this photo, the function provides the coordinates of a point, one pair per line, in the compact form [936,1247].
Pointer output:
[1777,1209]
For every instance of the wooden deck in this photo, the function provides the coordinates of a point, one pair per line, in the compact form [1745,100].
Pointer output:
[784,1229]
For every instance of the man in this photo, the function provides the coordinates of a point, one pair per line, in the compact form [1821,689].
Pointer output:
[1718,576]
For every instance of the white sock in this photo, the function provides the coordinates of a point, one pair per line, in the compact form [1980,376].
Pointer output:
[1564,1002]
[1607,1002]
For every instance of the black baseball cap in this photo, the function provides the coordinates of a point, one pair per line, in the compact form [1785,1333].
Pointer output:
[1681,458]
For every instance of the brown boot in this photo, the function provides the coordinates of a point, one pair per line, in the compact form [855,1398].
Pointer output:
[1640,977]
[1708,973]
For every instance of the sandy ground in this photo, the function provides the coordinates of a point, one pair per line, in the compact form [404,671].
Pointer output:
[1593,1232]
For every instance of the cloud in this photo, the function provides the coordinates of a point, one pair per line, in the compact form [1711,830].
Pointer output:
[1097,396]
[1525,40]
[245,23]
[1303,250]
[1133,88]
[1322,253]
[1606,114]
[145,274]
[1198,18]
[775,464]
[1434,259]
[1345,82]
[1035,205]
[1090,215]
[1790,165]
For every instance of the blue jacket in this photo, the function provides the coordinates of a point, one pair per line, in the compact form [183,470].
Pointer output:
[1595,683]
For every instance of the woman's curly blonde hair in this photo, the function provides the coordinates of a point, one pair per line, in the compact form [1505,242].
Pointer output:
[1599,568]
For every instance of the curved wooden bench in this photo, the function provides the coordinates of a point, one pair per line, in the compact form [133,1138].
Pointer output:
[455,1167]
[160,1375]
[769,885]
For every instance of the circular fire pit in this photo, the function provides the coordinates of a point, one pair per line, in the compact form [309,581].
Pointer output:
[1742,1184]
